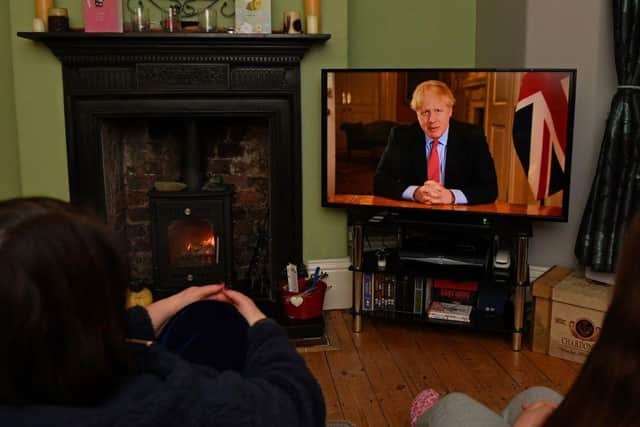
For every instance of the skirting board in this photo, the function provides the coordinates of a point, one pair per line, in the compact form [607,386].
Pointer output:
[340,279]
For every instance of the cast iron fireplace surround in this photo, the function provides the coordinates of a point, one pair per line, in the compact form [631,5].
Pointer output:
[137,75]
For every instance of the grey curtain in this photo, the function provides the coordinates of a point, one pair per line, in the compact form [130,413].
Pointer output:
[615,191]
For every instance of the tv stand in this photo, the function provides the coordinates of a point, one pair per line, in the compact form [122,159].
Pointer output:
[468,252]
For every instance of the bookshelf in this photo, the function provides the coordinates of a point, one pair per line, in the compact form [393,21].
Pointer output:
[444,261]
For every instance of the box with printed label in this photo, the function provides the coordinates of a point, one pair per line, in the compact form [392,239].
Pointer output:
[102,16]
[253,16]
[541,290]
[577,312]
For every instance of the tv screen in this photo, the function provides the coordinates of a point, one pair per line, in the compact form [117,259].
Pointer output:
[502,140]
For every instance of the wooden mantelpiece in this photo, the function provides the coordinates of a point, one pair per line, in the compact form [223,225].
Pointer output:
[180,47]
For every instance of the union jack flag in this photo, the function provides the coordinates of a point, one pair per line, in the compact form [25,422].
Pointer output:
[540,130]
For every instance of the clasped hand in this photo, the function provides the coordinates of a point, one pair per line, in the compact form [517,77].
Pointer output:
[432,192]
[162,310]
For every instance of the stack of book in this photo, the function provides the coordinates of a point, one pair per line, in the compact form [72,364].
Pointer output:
[449,311]
[402,293]
[440,299]
[463,292]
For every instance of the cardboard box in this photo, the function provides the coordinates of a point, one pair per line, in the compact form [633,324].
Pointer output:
[577,311]
[102,16]
[541,291]
[253,16]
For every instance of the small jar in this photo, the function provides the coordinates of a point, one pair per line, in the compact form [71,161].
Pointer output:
[58,20]
[382,260]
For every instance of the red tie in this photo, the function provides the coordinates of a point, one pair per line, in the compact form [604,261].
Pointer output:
[433,165]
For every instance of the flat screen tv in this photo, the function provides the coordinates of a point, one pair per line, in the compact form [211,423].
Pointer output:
[523,119]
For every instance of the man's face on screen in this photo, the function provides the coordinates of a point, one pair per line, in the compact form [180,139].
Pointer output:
[434,114]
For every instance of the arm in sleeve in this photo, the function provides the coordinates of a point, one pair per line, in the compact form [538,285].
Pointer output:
[275,388]
[391,174]
[483,186]
[139,324]
[290,393]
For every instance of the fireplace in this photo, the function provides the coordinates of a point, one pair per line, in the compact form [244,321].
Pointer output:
[240,94]
[192,239]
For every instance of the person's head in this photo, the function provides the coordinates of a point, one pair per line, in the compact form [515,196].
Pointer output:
[63,283]
[433,103]
[605,390]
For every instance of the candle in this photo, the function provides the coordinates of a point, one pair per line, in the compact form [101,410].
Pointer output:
[312,7]
[42,9]
[38,25]
[312,24]
[312,13]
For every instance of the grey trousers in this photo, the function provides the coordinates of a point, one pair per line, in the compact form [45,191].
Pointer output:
[458,409]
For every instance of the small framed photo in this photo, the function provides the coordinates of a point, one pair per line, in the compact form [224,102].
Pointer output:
[253,16]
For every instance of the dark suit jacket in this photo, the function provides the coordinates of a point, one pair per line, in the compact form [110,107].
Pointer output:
[469,166]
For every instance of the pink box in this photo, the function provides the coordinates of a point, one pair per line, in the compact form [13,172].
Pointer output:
[102,16]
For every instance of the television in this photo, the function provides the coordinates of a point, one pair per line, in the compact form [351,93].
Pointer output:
[526,117]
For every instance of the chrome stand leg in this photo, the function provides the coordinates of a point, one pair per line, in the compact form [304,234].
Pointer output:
[522,283]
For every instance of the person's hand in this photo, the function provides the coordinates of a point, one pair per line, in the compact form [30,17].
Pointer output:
[534,414]
[245,305]
[164,309]
[432,192]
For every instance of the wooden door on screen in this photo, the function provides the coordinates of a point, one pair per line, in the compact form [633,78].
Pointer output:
[357,100]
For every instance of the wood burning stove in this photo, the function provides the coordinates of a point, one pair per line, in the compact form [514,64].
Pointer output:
[191,229]
[191,234]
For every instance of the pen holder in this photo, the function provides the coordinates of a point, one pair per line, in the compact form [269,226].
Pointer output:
[304,304]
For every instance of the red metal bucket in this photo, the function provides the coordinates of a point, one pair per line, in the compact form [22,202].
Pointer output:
[301,304]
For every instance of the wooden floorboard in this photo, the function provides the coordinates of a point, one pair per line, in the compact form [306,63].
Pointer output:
[318,364]
[373,376]
[386,380]
[416,369]
[354,392]
[524,372]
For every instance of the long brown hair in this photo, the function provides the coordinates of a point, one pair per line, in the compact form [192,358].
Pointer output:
[605,392]
[63,285]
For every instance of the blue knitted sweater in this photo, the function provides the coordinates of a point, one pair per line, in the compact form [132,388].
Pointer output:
[274,389]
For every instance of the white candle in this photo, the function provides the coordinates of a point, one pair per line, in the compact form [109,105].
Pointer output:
[312,24]
[38,25]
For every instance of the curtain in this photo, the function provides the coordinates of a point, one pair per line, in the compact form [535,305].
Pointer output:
[615,191]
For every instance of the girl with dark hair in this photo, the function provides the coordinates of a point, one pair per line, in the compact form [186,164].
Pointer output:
[73,356]
[604,393]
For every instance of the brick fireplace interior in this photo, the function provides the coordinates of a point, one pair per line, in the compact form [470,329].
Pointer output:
[137,153]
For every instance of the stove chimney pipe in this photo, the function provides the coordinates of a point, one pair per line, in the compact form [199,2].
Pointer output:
[192,158]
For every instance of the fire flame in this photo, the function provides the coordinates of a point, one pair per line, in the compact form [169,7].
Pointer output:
[210,242]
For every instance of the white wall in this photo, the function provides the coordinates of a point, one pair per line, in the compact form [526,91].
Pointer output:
[573,33]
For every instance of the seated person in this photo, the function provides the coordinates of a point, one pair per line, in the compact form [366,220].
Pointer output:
[602,394]
[73,356]
[437,160]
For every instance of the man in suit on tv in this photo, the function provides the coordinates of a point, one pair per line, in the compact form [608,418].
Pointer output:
[437,160]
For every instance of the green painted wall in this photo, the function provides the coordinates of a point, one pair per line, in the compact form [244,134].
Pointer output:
[412,33]
[39,108]
[500,41]
[364,33]
[324,229]
[9,157]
